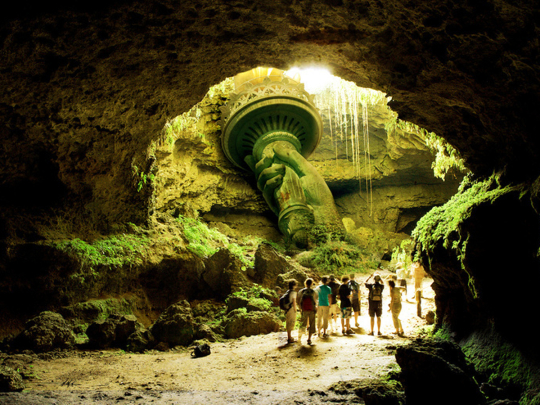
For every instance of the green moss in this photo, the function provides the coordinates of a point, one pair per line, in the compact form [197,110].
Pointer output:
[503,365]
[204,241]
[113,251]
[338,257]
[443,224]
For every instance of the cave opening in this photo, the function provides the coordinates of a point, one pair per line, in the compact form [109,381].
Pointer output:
[384,173]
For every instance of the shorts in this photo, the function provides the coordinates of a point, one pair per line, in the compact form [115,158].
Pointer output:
[290,319]
[356,306]
[333,310]
[346,312]
[308,317]
[375,308]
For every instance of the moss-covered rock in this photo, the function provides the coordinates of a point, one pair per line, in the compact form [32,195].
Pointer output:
[45,332]
[504,366]
[241,323]
[431,371]
[175,325]
[113,331]
[10,380]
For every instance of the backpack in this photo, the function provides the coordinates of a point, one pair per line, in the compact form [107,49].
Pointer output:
[201,350]
[355,288]
[375,293]
[284,301]
[308,304]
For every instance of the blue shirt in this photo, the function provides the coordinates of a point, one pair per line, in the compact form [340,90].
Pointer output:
[324,292]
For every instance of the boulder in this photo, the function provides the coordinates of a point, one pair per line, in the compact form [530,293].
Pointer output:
[93,310]
[45,332]
[431,371]
[373,391]
[269,264]
[206,333]
[175,325]
[113,332]
[234,302]
[223,274]
[241,323]
[430,317]
[296,274]
[206,309]
[139,341]
[10,380]
[258,304]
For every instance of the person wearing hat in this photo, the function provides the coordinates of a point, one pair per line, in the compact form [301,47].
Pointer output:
[375,300]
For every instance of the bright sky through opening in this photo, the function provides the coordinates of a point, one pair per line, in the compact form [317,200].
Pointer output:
[315,79]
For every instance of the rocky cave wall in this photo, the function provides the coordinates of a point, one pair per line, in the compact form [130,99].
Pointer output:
[88,86]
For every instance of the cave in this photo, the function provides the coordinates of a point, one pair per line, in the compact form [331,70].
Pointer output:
[104,211]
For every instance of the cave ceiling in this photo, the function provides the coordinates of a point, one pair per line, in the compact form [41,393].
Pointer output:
[87,86]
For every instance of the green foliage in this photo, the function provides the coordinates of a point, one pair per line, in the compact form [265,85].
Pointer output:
[402,253]
[204,241]
[444,223]
[116,250]
[320,234]
[142,178]
[255,291]
[338,257]
[446,156]
[259,297]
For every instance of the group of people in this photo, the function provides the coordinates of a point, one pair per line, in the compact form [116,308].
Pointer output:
[319,305]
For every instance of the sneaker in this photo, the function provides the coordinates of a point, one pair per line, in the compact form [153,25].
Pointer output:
[309,342]
[325,335]
[370,333]
[350,332]
[380,334]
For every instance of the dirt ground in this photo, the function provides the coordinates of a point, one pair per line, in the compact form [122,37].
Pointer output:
[261,369]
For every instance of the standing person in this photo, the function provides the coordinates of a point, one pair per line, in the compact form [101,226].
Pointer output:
[323,309]
[395,305]
[334,286]
[375,301]
[402,273]
[355,288]
[290,309]
[345,295]
[307,300]
[418,274]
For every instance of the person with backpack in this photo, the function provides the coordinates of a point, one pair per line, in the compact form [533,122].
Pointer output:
[323,309]
[375,301]
[345,295]
[287,303]
[307,300]
[334,286]
[355,300]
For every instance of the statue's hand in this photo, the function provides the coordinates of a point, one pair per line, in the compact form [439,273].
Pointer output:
[270,170]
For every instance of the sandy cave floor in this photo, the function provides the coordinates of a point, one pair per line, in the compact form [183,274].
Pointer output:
[260,370]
